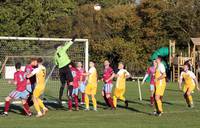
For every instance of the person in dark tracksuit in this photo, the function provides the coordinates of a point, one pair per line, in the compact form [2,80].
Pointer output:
[62,61]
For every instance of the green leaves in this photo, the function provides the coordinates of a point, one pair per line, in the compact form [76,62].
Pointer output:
[121,31]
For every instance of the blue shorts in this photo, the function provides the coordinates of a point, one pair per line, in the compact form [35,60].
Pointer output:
[29,88]
[82,87]
[152,87]
[75,91]
[16,95]
[107,88]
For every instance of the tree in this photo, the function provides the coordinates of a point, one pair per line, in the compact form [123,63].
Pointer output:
[182,20]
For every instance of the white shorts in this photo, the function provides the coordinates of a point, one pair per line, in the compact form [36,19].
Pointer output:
[16,95]
[152,87]
[107,88]
[75,91]
[82,87]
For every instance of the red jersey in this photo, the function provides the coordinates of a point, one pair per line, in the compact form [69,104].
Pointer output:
[107,73]
[76,77]
[82,71]
[151,73]
[28,69]
[20,78]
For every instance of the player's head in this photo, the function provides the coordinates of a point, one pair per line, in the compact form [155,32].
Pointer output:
[18,66]
[159,59]
[120,65]
[33,61]
[39,60]
[186,66]
[79,64]
[92,64]
[154,63]
[106,63]
[72,64]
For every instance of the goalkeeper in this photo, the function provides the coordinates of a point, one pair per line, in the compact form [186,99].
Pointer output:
[62,61]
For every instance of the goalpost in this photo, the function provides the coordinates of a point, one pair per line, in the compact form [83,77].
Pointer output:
[22,49]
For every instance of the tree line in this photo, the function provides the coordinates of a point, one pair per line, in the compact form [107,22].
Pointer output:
[123,30]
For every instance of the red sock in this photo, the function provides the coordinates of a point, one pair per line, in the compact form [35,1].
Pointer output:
[83,97]
[26,108]
[70,104]
[110,100]
[76,101]
[152,100]
[7,105]
[106,100]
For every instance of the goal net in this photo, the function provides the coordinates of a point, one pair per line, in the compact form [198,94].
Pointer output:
[22,49]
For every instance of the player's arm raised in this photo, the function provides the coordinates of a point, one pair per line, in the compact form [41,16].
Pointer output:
[67,45]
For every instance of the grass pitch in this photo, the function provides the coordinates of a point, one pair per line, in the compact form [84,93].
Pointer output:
[138,115]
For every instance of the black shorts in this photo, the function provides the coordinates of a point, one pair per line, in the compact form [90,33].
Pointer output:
[65,75]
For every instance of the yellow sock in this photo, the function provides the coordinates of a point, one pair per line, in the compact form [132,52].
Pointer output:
[115,101]
[94,103]
[190,100]
[41,104]
[159,105]
[87,101]
[36,105]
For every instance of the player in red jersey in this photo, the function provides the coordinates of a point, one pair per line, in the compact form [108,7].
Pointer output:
[82,84]
[76,79]
[20,92]
[28,69]
[108,75]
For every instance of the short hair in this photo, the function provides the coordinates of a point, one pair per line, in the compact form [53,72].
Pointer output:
[39,60]
[187,64]
[33,59]
[18,65]
[93,62]
[159,57]
[72,64]
[121,63]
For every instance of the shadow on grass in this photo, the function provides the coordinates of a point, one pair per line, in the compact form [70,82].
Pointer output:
[14,109]
[103,105]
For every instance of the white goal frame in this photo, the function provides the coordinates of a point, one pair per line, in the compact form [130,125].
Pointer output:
[54,39]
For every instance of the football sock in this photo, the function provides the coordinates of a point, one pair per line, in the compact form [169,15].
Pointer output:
[86,101]
[115,101]
[106,101]
[152,100]
[110,100]
[190,100]
[41,104]
[83,97]
[37,107]
[186,99]
[159,105]
[94,102]
[7,105]
[76,100]
[61,92]
[69,104]
[26,108]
